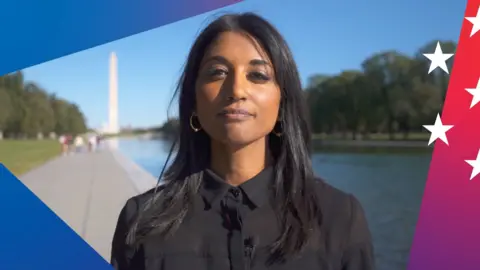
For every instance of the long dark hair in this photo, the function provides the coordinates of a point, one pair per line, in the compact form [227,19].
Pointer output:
[293,190]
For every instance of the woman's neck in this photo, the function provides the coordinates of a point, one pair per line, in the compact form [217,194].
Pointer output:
[237,165]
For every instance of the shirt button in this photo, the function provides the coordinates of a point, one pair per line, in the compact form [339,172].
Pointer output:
[235,192]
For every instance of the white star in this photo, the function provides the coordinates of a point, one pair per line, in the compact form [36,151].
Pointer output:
[475,92]
[438,59]
[475,164]
[438,130]
[475,22]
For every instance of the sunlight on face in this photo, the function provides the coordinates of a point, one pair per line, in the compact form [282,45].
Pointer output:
[237,96]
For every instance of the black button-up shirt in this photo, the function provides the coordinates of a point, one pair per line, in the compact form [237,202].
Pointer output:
[229,228]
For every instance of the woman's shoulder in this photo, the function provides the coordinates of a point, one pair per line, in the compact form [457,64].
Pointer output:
[345,223]
[134,204]
[123,253]
[326,191]
[337,205]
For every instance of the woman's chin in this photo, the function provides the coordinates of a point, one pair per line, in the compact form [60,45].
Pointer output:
[237,136]
[239,140]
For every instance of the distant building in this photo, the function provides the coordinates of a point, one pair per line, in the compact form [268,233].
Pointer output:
[113,96]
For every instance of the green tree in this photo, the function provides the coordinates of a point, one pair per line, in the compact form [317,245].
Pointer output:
[389,73]
[5,107]
[75,120]
[170,127]
[392,93]
[27,110]
[437,77]
[39,117]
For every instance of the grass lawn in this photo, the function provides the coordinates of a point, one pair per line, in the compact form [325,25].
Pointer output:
[20,156]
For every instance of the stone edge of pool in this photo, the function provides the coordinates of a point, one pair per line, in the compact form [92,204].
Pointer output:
[141,179]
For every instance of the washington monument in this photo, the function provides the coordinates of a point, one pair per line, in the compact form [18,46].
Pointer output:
[113,96]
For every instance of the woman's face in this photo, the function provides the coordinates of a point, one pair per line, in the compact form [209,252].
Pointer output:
[237,96]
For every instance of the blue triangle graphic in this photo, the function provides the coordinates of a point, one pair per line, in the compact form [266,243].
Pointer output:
[34,237]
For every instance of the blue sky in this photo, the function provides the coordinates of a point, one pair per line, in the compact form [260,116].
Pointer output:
[326,36]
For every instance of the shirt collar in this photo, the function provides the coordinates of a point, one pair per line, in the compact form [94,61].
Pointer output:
[256,189]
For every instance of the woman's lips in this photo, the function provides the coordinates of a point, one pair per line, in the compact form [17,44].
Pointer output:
[235,114]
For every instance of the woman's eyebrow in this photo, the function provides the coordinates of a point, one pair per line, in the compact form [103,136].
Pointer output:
[259,62]
[216,58]
[223,60]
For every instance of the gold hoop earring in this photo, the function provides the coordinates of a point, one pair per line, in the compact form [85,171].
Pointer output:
[278,134]
[191,124]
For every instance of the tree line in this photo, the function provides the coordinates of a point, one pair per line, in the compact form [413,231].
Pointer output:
[27,110]
[392,93]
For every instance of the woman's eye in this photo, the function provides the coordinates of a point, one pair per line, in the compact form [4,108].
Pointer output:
[258,76]
[217,72]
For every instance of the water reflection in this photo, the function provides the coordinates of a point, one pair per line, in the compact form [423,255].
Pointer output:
[149,154]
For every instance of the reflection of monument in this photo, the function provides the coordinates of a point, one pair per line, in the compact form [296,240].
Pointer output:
[113,96]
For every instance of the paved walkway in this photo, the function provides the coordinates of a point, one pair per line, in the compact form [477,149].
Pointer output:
[88,190]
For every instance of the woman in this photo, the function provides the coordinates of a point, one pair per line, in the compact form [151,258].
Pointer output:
[241,193]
